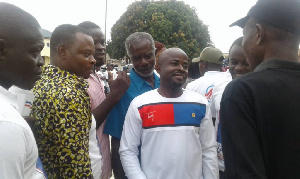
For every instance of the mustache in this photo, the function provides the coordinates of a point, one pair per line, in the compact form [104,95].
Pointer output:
[180,73]
[144,68]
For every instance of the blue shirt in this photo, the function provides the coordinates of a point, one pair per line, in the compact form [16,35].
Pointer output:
[116,117]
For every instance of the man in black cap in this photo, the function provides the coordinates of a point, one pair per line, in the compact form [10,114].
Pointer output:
[260,112]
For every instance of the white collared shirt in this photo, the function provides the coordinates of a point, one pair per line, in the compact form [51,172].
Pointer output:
[18,151]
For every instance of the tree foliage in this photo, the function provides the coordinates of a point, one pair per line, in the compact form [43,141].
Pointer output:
[172,23]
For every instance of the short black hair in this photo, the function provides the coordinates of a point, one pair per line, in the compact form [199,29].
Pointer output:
[64,34]
[193,71]
[13,20]
[237,42]
[88,25]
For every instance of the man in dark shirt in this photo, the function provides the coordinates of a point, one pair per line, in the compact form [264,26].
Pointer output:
[260,112]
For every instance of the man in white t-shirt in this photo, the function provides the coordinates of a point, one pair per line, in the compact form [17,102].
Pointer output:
[20,65]
[173,127]
[209,66]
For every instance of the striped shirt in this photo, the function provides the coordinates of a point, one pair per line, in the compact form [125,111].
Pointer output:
[97,96]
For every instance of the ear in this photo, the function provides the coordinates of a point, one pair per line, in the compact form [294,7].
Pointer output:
[158,68]
[260,34]
[2,49]
[127,57]
[205,64]
[62,51]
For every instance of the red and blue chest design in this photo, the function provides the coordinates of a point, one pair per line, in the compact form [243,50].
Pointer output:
[172,114]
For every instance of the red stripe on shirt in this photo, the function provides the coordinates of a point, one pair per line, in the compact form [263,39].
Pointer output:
[157,115]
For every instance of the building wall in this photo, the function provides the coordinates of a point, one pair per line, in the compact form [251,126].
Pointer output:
[46,51]
[47,60]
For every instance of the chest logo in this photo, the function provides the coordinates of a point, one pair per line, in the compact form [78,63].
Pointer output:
[151,115]
[193,115]
[208,92]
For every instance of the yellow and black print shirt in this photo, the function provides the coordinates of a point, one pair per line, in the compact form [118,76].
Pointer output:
[62,113]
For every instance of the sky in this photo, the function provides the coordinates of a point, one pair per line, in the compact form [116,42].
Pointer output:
[217,14]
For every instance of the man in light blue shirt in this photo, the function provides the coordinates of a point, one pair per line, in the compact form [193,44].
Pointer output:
[140,48]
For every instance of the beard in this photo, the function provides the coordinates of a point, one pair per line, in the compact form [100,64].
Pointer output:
[177,84]
[142,74]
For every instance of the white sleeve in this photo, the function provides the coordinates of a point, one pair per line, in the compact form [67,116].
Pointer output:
[209,148]
[12,151]
[194,86]
[130,140]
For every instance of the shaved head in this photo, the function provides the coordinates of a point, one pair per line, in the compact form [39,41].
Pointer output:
[16,23]
[173,69]
[169,53]
[21,43]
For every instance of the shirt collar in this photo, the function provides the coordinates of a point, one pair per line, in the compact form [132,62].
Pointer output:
[94,76]
[53,72]
[276,63]
[139,81]
[8,96]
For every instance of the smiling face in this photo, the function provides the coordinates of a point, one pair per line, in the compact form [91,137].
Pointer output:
[79,56]
[23,59]
[173,68]
[238,64]
[99,42]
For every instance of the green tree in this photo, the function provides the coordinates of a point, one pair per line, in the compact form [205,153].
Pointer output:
[172,23]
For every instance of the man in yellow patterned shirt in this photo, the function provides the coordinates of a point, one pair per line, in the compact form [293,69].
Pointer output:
[62,108]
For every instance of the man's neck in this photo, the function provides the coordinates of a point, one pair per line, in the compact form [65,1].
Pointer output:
[290,54]
[149,79]
[170,92]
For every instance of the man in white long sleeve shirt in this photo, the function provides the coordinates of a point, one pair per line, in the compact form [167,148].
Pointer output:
[21,43]
[173,127]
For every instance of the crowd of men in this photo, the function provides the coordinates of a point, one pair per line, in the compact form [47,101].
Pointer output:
[239,123]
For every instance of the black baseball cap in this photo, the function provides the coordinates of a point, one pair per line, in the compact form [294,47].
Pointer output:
[281,14]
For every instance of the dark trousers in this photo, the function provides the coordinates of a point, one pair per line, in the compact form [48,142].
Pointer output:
[115,159]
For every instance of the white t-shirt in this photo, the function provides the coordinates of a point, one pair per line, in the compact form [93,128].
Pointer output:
[94,151]
[205,85]
[176,136]
[215,109]
[18,150]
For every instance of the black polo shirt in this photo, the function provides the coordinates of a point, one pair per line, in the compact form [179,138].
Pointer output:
[260,122]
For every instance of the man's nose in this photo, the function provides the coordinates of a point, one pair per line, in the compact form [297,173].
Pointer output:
[40,61]
[144,61]
[92,59]
[100,46]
